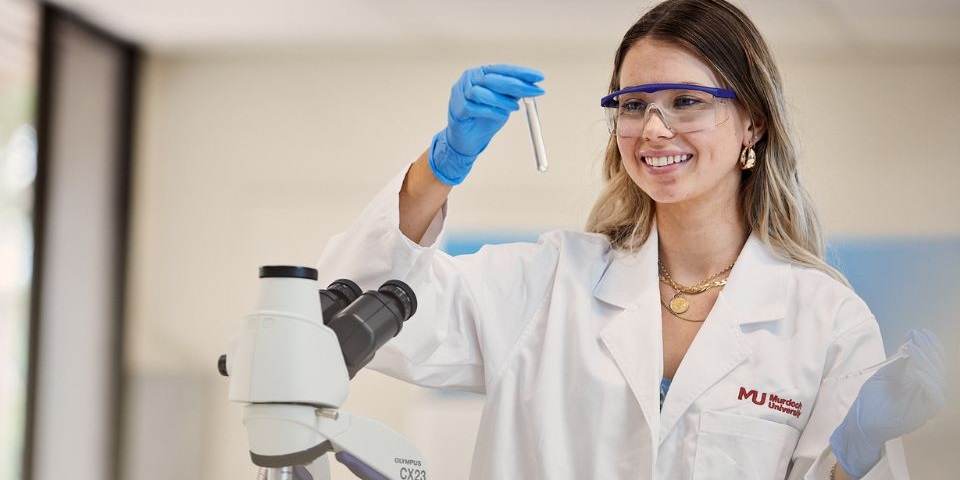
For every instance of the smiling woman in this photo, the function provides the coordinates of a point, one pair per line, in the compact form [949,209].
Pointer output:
[18,45]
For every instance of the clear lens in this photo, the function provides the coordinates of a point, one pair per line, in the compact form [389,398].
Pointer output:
[682,111]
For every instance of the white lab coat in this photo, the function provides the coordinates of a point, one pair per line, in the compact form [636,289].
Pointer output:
[563,336]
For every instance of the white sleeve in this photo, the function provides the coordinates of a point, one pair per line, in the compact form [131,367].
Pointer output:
[471,308]
[856,344]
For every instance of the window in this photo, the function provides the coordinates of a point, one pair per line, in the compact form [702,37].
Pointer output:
[18,166]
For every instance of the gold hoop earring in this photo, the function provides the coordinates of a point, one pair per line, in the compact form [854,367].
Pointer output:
[748,158]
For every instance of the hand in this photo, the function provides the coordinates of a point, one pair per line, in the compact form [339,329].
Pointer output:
[480,104]
[897,400]
[358,467]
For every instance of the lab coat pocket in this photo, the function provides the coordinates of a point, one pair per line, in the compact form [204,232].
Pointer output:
[741,447]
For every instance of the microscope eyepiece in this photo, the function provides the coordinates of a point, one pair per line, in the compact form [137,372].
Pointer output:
[337,296]
[347,288]
[222,366]
[403,294]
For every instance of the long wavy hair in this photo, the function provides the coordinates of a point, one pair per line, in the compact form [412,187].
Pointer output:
[772,201]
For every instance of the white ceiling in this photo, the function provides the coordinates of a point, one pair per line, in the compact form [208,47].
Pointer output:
[874,27]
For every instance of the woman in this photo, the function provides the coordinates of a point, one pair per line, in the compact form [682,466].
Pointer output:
[694,331]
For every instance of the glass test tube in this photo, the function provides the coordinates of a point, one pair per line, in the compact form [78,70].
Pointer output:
[893,358]
[536,136]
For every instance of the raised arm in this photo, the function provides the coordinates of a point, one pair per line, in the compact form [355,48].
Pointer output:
[480,104]
[421,197]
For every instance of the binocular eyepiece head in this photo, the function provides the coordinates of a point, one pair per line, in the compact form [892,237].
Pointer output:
[362,321]
[366,322]
[343,292]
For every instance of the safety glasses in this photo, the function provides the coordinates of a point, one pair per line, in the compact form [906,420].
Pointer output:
[683,108]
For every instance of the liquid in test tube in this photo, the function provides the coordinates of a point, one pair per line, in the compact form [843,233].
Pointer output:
[536,136]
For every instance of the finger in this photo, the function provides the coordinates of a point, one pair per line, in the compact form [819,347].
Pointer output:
[932,345]
[928,384]
[921,361]
[922,367]
[930,393]
[920,358]
[483,96]
[927,339]
[528,75]
[459,90]
[466,97]
[926,346]
[511,86]
[936,399]
[479,110]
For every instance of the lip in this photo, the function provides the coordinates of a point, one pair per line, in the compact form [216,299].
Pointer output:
[662,153]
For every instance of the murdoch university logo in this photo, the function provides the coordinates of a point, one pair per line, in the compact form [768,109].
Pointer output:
[773,402]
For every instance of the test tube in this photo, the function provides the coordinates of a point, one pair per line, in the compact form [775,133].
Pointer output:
[901,353]
[536,136]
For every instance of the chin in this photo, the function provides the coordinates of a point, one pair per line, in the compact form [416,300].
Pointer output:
[661,195]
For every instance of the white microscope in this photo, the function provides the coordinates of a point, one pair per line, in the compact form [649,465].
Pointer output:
[290,367]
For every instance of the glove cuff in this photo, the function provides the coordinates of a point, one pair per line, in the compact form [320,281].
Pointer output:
[448,165]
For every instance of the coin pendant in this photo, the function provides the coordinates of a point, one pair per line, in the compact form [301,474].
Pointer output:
[679,304]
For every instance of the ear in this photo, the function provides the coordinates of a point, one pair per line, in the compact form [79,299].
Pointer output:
[754,131]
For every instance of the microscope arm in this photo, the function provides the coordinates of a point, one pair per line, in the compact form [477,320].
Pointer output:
[374,445]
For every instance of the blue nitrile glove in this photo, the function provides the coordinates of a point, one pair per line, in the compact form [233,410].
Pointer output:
[358,467]
[480,103]
[898,399]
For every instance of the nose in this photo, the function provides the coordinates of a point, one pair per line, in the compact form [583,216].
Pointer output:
[655,124]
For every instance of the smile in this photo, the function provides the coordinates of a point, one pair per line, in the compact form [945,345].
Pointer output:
[668,160]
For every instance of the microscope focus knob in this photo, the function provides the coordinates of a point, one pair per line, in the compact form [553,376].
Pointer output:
[222,365]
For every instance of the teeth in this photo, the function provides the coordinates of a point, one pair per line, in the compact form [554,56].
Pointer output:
[664,161]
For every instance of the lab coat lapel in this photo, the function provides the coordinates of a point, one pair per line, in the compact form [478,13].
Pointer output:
[716,350]
[633,336]
[755,292]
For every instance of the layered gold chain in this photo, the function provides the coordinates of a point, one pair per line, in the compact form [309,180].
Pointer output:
[679,304]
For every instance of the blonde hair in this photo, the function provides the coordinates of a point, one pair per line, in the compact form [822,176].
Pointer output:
[774,204]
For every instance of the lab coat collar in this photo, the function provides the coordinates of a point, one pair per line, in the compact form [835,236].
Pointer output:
[629,275]
[756,289]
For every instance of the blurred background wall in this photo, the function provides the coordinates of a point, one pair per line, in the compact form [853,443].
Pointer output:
[255,146]
[248,159]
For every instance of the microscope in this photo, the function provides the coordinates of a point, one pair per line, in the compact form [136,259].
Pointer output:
[290,366]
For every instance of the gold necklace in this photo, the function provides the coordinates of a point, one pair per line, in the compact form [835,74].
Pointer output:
[675,314]
[679,304]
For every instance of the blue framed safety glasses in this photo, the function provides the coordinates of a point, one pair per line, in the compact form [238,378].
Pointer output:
[683,108]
